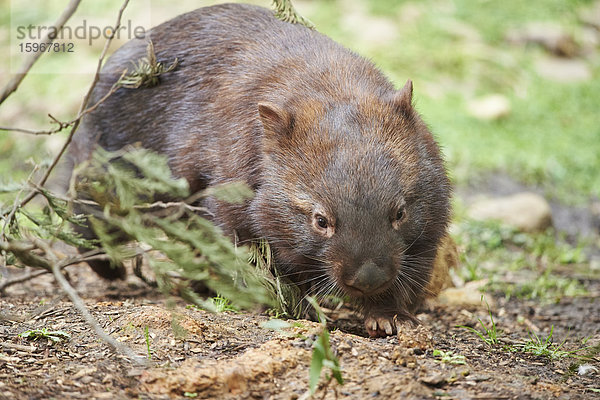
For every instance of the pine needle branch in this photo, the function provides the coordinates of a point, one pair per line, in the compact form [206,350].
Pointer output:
[82,108]
[285,11]
[147,71]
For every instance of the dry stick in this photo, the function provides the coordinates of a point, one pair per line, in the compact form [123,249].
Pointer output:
[65,125]
[22,278]
[56,267]
[61,126]
[24,252]
[89,256]
[14,83]
[82,107]
[80,305]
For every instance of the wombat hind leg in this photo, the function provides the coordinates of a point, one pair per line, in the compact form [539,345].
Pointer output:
[104,268]
[108,271]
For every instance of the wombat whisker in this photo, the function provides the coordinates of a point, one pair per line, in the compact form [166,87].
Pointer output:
[313,258]
[416,266]
[415,284]
[399,284]
[412,272]
[417,238]
[312,279]
[421,253]
[326,290]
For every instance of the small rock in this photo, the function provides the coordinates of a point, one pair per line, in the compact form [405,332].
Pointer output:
[403,357]
[414,337]
[552,37]
[527,212]
[490,107]
[84,372]
[591,16]
[373,30]
[587,369]
[467,295]
[564,70]
[435,380]
[478,378]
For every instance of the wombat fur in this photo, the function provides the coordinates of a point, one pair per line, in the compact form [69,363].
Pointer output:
[350,188]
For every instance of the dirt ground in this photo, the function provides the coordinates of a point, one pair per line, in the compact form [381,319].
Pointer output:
[196,354]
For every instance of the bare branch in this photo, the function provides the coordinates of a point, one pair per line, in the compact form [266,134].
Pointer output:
[23,278]
[14,83]
[24,252]
[117,346]
[82,107]
[88,256]
[64,125]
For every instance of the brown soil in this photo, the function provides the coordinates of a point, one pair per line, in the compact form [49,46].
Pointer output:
[196,354]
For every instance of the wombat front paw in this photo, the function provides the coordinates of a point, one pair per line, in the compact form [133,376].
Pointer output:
[382,326]
[378,326]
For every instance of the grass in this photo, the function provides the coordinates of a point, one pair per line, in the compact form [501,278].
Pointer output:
[536,345]
[545,347]
[449,357]
[222,304]
[520,264]
[488,335]
[44,333]
[147,339]
[454,51]
[323,356]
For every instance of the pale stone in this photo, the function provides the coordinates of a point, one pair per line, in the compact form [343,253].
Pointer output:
[527,212]
[563,70]
[373,31]
[552,37]
[490,107]
[468,295]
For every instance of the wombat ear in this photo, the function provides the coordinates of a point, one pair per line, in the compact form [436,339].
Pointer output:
[275,119]
[403,97]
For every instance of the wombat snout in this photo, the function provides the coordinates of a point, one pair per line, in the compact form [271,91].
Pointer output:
[368,279]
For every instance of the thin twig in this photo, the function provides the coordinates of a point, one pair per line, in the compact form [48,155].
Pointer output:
[80,305]
[15,207]
[64,125]
[82,107]
[117,346]
[181,204]
[88,256]
[23,278]
[18,347]
[14,83]
[24,252]
[41,190]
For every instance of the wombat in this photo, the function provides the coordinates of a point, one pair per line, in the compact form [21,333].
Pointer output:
[350,188]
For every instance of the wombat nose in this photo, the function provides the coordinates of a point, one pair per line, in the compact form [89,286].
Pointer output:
[368,278]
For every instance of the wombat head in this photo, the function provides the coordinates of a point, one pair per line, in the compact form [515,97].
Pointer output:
[355,197]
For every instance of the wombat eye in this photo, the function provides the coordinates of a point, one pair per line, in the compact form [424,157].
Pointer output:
[400,214]
[321,221]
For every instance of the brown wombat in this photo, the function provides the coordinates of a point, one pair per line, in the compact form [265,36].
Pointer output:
[350,188]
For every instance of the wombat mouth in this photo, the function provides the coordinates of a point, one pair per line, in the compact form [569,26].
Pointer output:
[361,292]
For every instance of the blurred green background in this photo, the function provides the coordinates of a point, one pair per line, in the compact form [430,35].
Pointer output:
[509,87]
